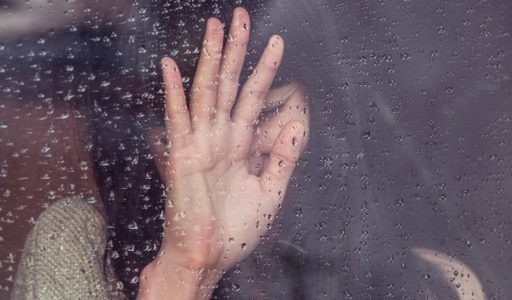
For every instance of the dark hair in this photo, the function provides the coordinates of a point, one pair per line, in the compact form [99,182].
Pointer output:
[130,186]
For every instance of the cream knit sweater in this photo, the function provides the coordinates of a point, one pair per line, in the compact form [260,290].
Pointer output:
[65,256]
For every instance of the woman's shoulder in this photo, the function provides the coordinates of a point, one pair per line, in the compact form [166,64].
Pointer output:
[65,254]
[75,212]
[72,219]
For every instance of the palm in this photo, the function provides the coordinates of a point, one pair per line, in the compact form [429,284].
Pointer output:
[217,208]
[237,205]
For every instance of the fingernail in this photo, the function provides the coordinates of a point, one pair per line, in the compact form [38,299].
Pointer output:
[238,11]
[240,15]
[166,62]
[275,41]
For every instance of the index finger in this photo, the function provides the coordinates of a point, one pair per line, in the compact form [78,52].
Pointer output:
[177,117]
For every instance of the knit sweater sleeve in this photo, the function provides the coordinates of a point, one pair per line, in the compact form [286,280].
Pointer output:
[64,255]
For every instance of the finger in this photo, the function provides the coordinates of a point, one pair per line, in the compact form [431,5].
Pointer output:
[270,124]
[233,61]
[156,139]
[252,96]
[283,157]
[204,89]
[177,117]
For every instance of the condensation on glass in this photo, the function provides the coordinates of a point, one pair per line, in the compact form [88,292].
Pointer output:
[404,190]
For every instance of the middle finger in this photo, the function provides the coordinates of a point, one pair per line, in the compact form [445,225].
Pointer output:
[232,62]
[204,89]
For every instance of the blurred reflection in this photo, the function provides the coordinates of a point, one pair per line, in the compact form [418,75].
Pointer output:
[410,140]
[42,160]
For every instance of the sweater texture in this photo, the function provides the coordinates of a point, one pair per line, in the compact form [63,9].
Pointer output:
[65,256]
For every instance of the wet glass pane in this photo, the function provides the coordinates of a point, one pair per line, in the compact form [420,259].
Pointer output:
[401,111]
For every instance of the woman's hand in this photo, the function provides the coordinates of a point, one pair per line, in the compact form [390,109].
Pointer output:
[219,202]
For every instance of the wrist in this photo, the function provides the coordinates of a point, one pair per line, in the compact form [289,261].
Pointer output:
[160,280]
[168,278]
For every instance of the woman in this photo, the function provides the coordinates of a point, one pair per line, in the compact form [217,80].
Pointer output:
[216,210]
[222,195]
[389,193]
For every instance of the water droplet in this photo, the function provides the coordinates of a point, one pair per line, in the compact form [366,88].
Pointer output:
[133,226]
[91,200]
[236,287]
[45,149]
[83,166]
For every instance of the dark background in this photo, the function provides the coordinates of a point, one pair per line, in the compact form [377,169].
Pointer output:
[411,142]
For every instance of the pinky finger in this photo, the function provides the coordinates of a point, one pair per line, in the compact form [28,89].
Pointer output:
[283,157]
[176,111]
